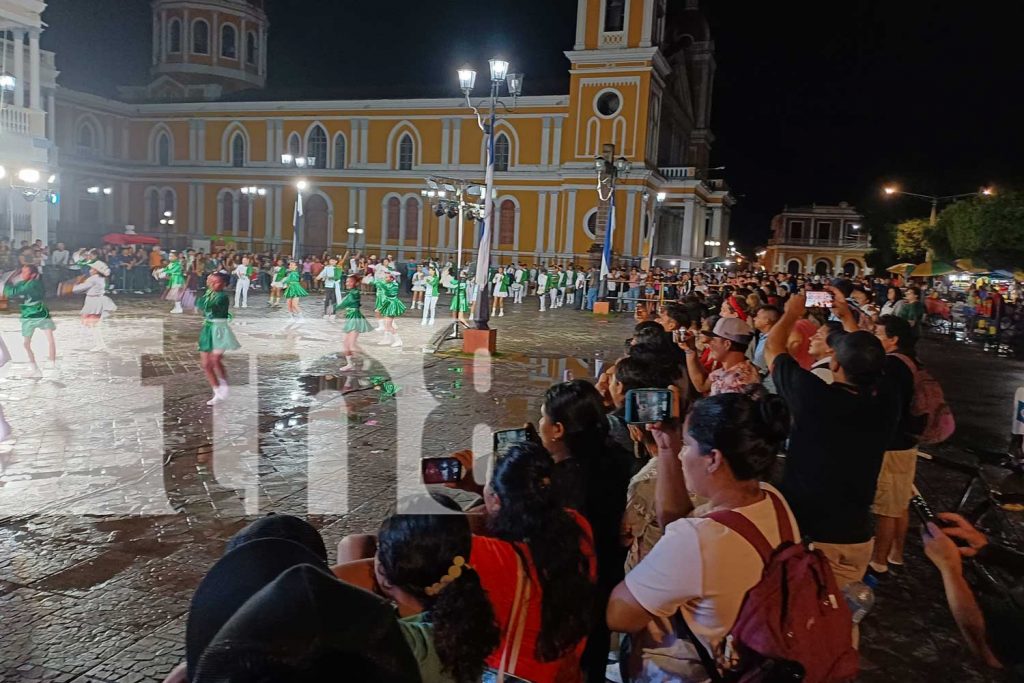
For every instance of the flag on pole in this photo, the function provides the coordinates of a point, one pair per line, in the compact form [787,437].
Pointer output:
[483,262]
[298,211]
[606,254]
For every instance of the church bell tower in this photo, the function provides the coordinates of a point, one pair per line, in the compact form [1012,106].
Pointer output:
[204,49]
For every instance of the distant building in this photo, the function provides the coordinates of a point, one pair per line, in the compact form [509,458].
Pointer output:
[171,156]
[820,239]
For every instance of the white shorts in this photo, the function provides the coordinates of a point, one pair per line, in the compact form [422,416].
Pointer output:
[419,288]
[501,295]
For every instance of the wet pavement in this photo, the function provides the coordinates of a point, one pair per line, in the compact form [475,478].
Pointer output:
[123,486]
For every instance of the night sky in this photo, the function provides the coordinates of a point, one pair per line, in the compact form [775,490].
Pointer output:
[814,101]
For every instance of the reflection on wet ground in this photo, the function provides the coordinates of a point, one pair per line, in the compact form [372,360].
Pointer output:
[123,486]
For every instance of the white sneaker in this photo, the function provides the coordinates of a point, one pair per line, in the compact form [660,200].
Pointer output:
[349,366]
[326,317]
[423,322]
[34,371]
[386,340]
[502,314]
[222,390]
[177,308]
[245,305]
[397,343]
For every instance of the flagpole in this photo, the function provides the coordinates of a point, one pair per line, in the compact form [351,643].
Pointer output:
[482,314]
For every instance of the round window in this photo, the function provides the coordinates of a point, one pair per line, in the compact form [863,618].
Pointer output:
[608,103]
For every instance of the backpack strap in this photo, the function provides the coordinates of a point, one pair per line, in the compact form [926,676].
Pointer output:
[750,533]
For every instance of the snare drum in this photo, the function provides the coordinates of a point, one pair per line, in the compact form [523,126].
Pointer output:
[66,287]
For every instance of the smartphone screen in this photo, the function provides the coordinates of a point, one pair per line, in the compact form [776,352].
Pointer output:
[441,470]
[647,406]
[504,438]
[819,299]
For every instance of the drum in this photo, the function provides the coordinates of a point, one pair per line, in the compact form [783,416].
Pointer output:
[159,274]
[66,287]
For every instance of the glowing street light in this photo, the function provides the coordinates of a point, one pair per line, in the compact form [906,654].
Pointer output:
[891,190]
[29,175]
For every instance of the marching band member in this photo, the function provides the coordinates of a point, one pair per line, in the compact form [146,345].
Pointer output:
[97,304]
[34,315]
[243,278]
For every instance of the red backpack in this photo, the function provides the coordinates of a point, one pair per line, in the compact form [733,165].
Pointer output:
[929,405]
[794,624]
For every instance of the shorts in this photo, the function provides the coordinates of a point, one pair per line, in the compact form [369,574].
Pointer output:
[895,483]
[30,325]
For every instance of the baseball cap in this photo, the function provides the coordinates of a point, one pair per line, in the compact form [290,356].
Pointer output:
[733,329]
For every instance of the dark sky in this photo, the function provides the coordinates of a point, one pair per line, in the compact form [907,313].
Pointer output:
[814,101]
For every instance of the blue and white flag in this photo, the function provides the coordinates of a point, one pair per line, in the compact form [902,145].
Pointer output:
[606,255]
[483,263]
[298,210]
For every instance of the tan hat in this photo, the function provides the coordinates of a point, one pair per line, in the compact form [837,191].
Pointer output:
[100,267]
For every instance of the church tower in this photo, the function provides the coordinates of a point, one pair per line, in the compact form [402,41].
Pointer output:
[203,49]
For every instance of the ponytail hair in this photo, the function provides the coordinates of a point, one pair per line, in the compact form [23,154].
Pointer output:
[415,552]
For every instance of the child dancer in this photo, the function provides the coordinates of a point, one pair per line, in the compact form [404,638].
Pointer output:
[554,277]
[175,273]
[277,285]
[243,277]
[562,277]
[293,291]
[518,284]
[5,427]
[418,287]
[432,284]
[216,336]
[542,289]
[330,276]
[501,281]
[460,303]
[97,304]
[569,292]
[355,323]
[390,307]
[34,315]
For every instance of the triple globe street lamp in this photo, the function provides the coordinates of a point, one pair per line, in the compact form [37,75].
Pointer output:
[609,170]
[251,192]
[500,74]
[28,181]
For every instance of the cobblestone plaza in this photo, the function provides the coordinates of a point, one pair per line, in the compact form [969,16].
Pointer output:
[123,486]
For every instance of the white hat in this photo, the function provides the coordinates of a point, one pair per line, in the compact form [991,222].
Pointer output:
[101,267]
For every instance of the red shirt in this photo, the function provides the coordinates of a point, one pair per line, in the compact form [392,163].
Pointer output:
[496,563]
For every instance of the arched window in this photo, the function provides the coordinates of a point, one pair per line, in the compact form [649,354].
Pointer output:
[412,217]
[590,224]
[339,151]
[316,146]
[614,15]
[405,153]
[228,44]
[169,203]
[507,222]
[243,215]
[200,37]
[86,137]
[250,48]
[294,145]
[163,149]
[153,209]
[238,150]
[227,213]
[394,218]
[501,148]
[174,36]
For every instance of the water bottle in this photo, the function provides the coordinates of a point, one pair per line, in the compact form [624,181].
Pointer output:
[860,597]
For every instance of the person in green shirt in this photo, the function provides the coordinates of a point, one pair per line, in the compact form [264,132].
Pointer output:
[355,322]
[913,312]
[432,286]
[293,290]
[423,565]
[460,303]
[390,307]
[502,282]
[34,314]
[174,271]
[277,285]
[216,337]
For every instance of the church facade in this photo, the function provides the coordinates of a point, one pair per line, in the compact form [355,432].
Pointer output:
[176,153]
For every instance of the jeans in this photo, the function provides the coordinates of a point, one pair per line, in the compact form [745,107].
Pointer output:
[634,295]
[591,298]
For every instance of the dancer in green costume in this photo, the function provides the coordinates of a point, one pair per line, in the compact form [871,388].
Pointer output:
[355,322]
[34,315]
[389,307]
[216,336]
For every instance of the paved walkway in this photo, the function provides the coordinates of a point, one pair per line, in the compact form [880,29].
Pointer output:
[123,485]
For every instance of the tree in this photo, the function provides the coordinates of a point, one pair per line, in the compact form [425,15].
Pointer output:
[911,239]
[990,229]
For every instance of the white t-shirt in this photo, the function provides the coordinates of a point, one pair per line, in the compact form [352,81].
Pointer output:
[705,569]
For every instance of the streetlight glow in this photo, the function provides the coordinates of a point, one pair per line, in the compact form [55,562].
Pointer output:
[287,159]
[301,185]
[7,82]
[988,191]
[467,79]
[515,84]
[661,196]
[28,175]
[3,172]
[108,191]
[890,190]
[499,69]
[93,190]
[52,179]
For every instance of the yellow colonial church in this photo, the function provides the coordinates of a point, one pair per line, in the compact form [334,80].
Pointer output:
[172,158]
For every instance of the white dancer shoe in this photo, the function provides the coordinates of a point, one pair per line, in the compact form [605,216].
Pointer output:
[177,308]
[386,340]
[348,366]
[397,343]
[34,371]
[222,390]
[502,314]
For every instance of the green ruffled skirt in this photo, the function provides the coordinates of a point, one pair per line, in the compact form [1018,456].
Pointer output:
[356,322]
[30,325]
[294,290]
[216,335]
[391,308]
[459,303]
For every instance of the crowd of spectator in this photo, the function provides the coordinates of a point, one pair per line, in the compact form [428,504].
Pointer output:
[597,535]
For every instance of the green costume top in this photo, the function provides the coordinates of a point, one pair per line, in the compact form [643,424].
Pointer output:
[292,286]
[331,273]
[354,320]
[281,274]
[31,291]
[502,285]
[561,279]
[433,282]
[459,302]
[249,270]
[216,334]
[389,306]
[175,274]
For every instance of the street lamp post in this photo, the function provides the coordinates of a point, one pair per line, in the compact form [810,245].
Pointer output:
[608,172]
[297,162]
[653,218]
[353,231]
[31,190]
[514,82]
[251,192]
[934,200]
